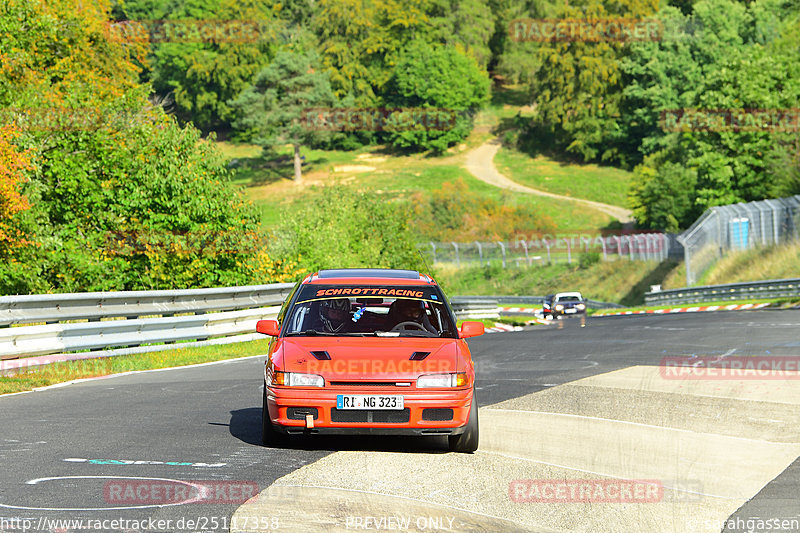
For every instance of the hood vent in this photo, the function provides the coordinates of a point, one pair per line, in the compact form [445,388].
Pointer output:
[322,355]
[419,356]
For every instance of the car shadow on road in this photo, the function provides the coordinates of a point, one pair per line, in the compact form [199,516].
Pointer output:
[245,425]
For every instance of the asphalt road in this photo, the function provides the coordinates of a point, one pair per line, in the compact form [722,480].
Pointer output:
[62,450]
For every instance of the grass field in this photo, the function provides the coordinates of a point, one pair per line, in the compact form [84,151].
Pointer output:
[590,182]
[269,183]
[758,264]
[270,187]
[604,184]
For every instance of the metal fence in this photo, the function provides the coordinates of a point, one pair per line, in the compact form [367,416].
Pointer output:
[737,227]
[545,251]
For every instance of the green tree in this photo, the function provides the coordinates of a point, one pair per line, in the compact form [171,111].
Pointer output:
[54,56]
[578,89]
[436,76]
[120,196]
[202,75]
[514,58]
[299,13]
[659,76]
[273,110]
[724,57]
[663,192]
[140,10]
[468,24]
[360,41]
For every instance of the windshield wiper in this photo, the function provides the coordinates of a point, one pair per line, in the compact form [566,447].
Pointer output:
[308,333]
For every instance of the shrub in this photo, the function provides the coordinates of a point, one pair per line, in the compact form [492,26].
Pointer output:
[337,227]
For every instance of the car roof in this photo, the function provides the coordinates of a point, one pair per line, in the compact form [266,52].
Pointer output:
[370,276]
[560,294]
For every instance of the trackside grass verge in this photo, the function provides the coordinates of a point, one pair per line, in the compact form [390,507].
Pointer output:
[69,370]
[782,303]
[491,322]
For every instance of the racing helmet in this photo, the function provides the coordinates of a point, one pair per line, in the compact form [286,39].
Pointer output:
[412,310]
[334,313]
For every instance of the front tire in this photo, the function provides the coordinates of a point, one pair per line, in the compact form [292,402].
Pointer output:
[269,436]
[467,442]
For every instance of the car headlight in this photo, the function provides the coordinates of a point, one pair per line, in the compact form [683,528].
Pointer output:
[559,307]
[581,306]
[442,380]
[293,379]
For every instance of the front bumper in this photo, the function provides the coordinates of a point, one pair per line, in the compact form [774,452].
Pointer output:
[280,400]
[567,312]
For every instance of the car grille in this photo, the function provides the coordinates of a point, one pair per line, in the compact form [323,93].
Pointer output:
[364,383]
[366,416]
[437,414]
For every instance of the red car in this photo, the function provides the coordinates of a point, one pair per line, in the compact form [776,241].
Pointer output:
[369,351]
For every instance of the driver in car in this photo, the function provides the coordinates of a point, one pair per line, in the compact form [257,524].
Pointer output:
[404,310]
[335,315]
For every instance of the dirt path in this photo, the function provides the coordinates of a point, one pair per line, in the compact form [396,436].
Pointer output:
[480,163]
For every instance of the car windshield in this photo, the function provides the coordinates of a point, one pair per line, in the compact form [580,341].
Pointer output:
[569,299]
[380,311]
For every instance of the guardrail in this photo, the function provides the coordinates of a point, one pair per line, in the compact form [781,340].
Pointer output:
[527,300]
[103,320]
[98,305]
[467,308]
[105,324]
[56,338]
[775,288]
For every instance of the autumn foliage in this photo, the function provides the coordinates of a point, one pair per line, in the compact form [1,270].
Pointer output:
[109,163]
[14,163]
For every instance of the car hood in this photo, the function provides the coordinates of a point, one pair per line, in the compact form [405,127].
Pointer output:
[364,358]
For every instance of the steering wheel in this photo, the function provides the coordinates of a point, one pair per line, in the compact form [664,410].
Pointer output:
[402,326]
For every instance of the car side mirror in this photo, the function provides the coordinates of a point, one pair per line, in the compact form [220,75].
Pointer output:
[472,329]
[268,327]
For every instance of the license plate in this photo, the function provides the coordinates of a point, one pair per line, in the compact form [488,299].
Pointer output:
[570,310]
[360,401]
